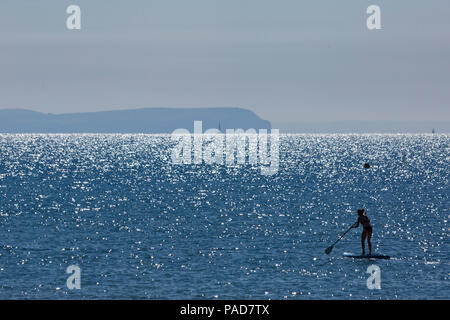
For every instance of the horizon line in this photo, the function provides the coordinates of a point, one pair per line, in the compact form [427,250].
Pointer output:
[230,107]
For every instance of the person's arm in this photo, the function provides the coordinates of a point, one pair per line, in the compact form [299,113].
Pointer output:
[356,224]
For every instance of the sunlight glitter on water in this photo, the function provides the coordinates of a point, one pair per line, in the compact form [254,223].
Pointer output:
[141,227]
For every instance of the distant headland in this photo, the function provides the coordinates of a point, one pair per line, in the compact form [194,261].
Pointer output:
[145,120]
[166,120]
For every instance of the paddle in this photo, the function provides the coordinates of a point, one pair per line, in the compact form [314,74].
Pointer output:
[328,250]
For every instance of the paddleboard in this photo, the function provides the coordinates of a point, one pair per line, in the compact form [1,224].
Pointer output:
[373,256]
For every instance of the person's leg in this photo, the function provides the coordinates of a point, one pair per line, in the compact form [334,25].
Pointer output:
[363,239]
[369,236]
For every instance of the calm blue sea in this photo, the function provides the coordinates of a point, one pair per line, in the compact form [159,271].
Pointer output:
[140,227]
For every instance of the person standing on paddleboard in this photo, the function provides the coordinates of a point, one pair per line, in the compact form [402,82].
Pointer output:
[367,230]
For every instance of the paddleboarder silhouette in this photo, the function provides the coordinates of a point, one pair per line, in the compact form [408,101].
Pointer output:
[367,230]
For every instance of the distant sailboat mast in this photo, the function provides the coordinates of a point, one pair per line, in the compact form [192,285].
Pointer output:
[220,128]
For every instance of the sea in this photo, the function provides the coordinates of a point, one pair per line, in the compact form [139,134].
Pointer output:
[92,216]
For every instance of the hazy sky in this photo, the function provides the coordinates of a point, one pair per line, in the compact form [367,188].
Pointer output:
[286,60]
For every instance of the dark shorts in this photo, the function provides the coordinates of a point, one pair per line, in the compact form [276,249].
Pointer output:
[368,229]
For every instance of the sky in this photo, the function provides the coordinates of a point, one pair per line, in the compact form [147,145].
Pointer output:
[287,60]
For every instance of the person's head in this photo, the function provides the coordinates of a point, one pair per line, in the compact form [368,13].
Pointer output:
[360,212]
